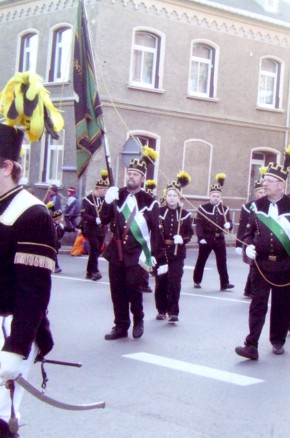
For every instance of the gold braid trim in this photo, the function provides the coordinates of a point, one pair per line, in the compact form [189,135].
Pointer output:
[22,258]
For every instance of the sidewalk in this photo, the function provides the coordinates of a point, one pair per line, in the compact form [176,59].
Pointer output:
[230,242]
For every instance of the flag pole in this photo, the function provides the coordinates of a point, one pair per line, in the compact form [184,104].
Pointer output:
[105,138]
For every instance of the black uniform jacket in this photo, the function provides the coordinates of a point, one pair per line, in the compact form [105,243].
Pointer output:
[208,216]
[27,254]
[169,219]
[131,249]
[90,210]
[271,255]
[243,222]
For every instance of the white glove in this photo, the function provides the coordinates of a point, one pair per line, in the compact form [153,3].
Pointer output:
[178,240]
[98,221]
[10,366]
[112,194]
[227,225]
[203,242]
[251,252]
[153,261]
[162,269]
[239,250]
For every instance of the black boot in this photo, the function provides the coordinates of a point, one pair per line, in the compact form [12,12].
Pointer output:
[5,432]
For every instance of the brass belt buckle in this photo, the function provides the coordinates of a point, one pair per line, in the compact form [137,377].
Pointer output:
[273,258]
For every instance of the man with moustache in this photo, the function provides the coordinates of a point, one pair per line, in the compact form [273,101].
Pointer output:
[268,246]
[134,218]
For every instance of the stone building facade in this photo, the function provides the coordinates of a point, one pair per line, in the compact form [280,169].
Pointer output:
[206,83]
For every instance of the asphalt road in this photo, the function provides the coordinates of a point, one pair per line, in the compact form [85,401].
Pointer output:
[179,380]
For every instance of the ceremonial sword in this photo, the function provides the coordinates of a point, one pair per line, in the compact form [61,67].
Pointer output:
[56,403]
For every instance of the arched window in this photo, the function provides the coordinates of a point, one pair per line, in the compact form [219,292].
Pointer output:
[202,70]
[269,83]
[52,159]
[60,55]
[146,59]
[260,157]
[28,52]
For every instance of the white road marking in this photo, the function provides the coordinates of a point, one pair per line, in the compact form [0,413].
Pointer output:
[187,367]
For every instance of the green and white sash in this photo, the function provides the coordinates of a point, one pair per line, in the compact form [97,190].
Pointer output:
[279,226]
[140,231]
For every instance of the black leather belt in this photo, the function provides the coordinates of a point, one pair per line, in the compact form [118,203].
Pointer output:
[273,258]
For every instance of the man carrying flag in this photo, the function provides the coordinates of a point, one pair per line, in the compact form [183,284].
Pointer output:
[268,246]
[137,219]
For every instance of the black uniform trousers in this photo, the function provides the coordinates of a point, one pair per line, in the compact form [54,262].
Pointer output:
[280,306]
[126,294]
[168,286]
[95,243]
[218,246]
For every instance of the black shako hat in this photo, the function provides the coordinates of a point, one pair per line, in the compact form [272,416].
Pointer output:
[277,171]
[10,142]
[137,166]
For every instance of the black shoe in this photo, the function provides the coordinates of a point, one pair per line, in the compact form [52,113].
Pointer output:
[116,333]
[138,330]
[160,316]
[227,286]
[57,270]
[197,285]
[5,431]
[96,276]
[248,295]
[278,349]
[248,351]
[146,289]
[173,318]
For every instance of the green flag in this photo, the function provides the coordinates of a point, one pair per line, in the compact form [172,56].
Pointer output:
[87,105]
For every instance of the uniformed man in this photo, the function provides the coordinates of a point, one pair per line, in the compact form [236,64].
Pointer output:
[243,222]
[92,227]
[268,246]
[27,258]
[211,221]
[176,230]
[134,218]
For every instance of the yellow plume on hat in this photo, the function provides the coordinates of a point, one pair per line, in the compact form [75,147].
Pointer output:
[183,178]
[24,101]
[104,174]
[220,178]
[149,153]
[150,184]
[263,170]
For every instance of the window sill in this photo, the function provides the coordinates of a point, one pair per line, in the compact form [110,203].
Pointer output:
[46,185]
[271,110]
[208,99]
[150,90]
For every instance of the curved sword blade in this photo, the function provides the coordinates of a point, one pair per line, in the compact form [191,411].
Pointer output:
[55,403]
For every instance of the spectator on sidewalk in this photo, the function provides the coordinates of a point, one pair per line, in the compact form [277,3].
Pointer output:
[72,211]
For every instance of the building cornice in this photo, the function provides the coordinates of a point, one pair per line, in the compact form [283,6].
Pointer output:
[206,14]
[199,13]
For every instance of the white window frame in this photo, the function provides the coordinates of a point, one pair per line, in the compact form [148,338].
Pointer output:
[49,146]
[27,52]
[212,68]
[158,59]
[60,54]
[149,135]
[277,78]
[25,160]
